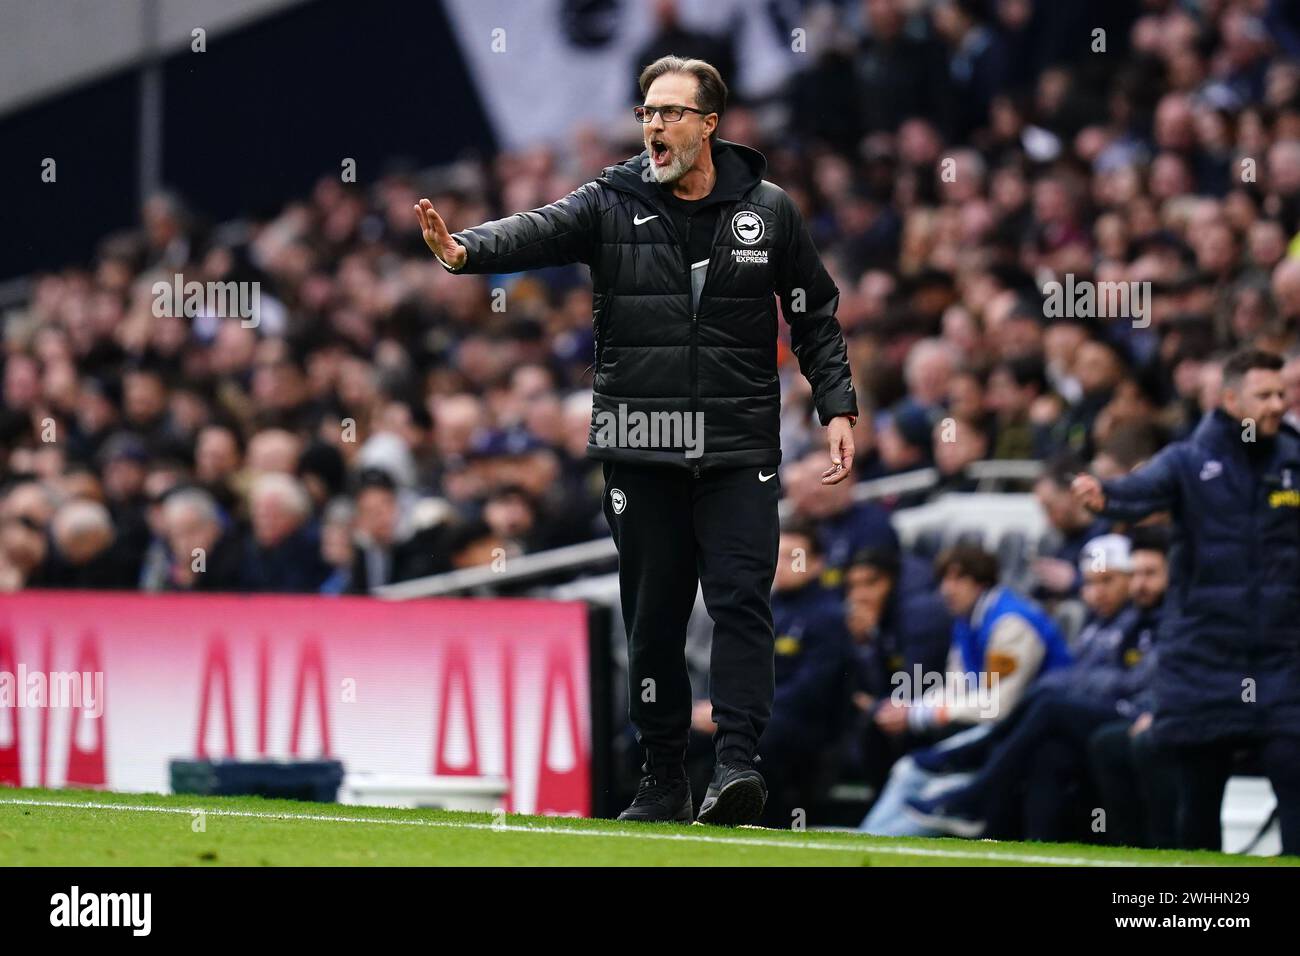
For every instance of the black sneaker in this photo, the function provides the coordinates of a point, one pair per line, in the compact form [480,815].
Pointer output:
[736,795]
[661,798]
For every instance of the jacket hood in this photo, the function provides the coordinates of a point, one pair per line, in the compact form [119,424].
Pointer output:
[740,169]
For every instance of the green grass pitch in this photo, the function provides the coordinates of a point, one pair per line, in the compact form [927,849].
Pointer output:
[95,828]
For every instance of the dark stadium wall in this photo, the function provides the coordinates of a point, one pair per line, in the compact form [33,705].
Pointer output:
[248,124]
[91,135]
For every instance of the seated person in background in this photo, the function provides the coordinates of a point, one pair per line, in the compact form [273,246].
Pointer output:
[384,552]
[1032,770]
[25,510]
[843,526]
[282,555]
[1136,779]
[810,703]
[891,632]
[1001,642]
[204,550]
[87,552]
[473,544]
[958,443]
[336,547]
[1013,387]
[903,444]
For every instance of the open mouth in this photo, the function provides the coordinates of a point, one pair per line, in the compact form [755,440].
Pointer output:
[659,152]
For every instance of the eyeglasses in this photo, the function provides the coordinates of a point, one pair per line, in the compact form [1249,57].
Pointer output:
[671,114]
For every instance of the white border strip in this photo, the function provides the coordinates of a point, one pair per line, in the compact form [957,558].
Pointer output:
[1028,858]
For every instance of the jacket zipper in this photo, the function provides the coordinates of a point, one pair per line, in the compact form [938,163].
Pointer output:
[695,309]
[1257,487]
[595,370]
[695,324]
[685,243]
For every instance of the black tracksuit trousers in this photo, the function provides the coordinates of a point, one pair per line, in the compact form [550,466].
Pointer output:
[1203,771]
[676,531]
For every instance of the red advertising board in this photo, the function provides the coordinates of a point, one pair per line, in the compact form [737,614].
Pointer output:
[432,687]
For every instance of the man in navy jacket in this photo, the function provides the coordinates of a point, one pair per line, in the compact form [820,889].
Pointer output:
[810,703]
[1229,670]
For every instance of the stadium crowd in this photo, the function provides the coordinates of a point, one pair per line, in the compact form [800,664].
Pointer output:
[383,420]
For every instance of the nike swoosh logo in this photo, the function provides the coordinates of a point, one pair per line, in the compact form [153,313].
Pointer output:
[637,220]
[763,477]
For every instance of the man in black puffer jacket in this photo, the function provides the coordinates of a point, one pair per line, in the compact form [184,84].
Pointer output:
[1229,671]
[689,249]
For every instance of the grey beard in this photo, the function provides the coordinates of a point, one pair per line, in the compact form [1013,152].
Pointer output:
[681,164]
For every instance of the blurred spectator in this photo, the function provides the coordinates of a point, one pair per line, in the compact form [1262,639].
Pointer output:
[928,372]
[811,698]
[672,38]
[843,526]
[336,545]
[1056,571]
[25,512]
[510,513]
[217,459]
[385,552]
[1001,642]
[978,62]
[283,554]
[204,554]
[1014,386]
[1136,779]
[274,451]
[474,544]
[87,553]
[958,443]
[892,633]
[905,444]
[1031,779]
[125,465]
[323,471]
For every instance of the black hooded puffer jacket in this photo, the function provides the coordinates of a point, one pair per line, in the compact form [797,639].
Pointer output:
[714,365]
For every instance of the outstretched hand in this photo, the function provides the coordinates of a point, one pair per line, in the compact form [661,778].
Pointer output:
[1088,492]
[436,236]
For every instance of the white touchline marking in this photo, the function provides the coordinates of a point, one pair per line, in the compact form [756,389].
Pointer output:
[564,831]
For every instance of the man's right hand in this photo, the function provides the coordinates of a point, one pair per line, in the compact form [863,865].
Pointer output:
[1087,491]
[436,236]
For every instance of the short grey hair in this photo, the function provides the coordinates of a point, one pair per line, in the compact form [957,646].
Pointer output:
[80,516]
[925,349]
[193,500]
[289,491]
